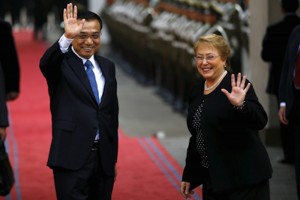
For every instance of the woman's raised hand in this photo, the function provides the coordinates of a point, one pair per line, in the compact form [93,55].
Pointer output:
[238,91]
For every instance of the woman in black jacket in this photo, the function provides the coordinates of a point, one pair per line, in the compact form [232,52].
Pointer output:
[225,153]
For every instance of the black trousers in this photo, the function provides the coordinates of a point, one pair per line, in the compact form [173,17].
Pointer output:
[260,191]
[294,122]
[87,183]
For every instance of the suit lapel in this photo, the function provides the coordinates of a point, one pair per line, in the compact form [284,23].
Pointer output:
[76,65]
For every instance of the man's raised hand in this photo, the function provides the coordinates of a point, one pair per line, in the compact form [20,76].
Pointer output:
[72,26]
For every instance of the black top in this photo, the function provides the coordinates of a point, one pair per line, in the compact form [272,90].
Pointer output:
[235,153]
[196,126]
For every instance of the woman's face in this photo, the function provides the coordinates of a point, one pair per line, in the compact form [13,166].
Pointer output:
[208,62]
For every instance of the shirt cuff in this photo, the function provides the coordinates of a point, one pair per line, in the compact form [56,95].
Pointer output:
[64,43]
[282,104]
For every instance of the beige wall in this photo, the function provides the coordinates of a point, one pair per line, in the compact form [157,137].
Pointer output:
[258,69]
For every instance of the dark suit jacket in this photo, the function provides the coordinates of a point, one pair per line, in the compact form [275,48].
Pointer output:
[3,108]
[286,87]
[75,113]
[236,155]
[273,49]
[9,58]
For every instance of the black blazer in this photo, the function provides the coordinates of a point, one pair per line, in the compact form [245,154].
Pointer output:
[236,155]
[75,113]
[286,87]
[274,46]
[3,108]
[9,58]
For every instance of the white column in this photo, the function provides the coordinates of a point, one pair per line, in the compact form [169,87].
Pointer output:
[262,14]
[258,68]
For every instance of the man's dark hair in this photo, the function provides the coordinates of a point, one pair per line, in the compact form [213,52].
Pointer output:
[88,16]
[290,5]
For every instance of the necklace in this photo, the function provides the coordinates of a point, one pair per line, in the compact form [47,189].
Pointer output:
[216,83]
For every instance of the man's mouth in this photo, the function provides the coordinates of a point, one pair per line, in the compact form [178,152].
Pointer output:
[87,48]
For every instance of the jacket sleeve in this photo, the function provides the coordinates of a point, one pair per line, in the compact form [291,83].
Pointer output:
[3,108]
[115,112]
[51,61]
[192,169]
[253,114]
[266,46]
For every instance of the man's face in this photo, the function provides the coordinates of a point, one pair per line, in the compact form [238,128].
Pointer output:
[87,42]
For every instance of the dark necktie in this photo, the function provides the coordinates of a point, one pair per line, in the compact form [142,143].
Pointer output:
[91,76]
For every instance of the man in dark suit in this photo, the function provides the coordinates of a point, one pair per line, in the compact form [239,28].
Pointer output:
[84,106]
[9,61]
[289,96]
[273,50]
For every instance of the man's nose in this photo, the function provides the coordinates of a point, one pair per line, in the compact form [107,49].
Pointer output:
[89,40]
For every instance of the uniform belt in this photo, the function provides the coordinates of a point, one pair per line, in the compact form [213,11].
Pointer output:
[95,145]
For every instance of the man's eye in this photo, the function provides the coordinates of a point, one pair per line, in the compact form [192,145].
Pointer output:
[82,36]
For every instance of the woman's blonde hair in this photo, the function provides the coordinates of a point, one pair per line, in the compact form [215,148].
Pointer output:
[219,43]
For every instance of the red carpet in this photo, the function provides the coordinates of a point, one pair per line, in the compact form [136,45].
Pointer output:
[145,169]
